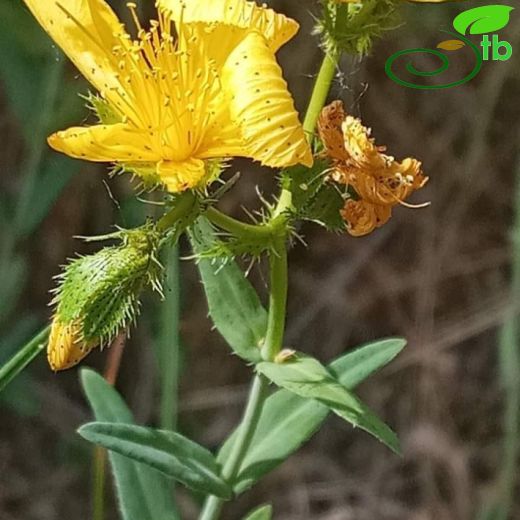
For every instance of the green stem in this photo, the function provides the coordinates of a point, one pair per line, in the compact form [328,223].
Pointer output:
[277,302]
[183,208]
[319,94]
[257,395]
[509,355]
[169,342]
[23,357]
[234,226]
[98,483]
[278,294]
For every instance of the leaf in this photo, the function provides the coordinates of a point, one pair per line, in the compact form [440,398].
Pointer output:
[482,20]
[261,513]
[168,452]
[233,303]
[143,492]
[451,45]
[287,420]
[307,377]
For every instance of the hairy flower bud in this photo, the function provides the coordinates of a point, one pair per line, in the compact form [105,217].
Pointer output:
[351,26]
[98,296]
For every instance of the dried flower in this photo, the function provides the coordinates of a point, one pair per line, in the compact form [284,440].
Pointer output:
[201,83]
[378,180]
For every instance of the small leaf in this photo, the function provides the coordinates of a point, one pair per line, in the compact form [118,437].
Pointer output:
[482,20]
[307,377]
[451,45]
[261,513]
[170,453]
[143,492]
[233,304]
[287,420]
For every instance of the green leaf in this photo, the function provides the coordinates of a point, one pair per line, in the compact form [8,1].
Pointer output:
[287,420]
[261,513]
[143,492]
[23,358]
[233,303]
[483,20]
[307,377]
[168,452]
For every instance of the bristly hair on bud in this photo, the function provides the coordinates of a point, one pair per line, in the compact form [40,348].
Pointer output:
[351,27]
[98,295]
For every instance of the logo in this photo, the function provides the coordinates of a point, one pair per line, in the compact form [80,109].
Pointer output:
[478,21]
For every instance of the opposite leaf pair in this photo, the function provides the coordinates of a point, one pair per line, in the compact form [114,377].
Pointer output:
[286,421]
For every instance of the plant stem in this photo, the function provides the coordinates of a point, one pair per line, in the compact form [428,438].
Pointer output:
[319,94]
[113,365]
[277,302]
[23,358]
[235,226]
[169,341]
[184,206]
[257,395]
[509,356]
[277,299]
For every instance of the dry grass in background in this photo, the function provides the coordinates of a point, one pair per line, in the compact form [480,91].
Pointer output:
[438,276]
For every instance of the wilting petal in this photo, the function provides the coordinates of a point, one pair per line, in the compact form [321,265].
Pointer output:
[261,106]
[65,348]
[362,217]
[360,146]
[183,175]
[277,28]
[104,143]
[329,129]
[86,30]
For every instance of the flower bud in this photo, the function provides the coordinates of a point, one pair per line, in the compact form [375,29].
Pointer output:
[351,26]
[98,296]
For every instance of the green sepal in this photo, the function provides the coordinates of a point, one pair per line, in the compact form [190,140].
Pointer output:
[100,292]
[314,198]
[102,109]
[351,28]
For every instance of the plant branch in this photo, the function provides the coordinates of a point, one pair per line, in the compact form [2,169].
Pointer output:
[257,395]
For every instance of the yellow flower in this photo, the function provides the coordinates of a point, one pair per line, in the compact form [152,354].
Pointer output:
[65,347]
[201,83]
[379,181]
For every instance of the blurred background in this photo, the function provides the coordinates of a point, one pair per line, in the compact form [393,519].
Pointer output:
[444,277]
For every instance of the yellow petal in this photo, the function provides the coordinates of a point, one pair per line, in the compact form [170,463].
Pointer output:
[277,28]
[65,348]
[182,175]
[86,30]
[104,143]
[261,106]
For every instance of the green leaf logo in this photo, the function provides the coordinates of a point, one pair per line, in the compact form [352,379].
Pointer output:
[482,20]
